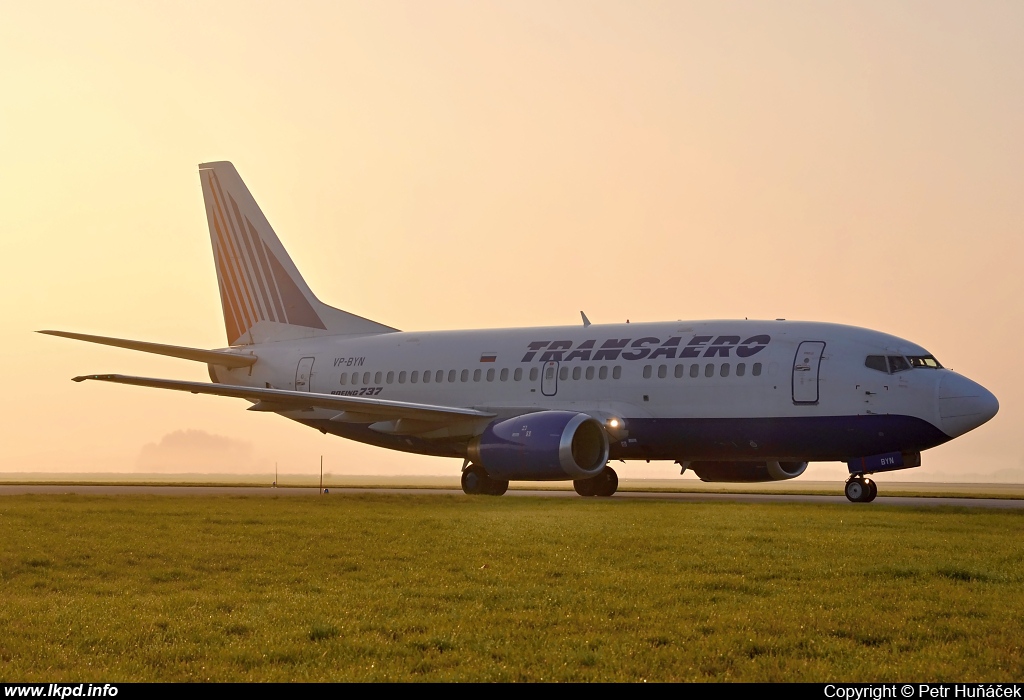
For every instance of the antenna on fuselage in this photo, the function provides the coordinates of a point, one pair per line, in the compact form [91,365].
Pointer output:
[586,321]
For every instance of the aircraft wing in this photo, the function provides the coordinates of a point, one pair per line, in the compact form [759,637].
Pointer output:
[351,409]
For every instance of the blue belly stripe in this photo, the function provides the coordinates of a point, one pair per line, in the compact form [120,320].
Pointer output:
[805,439]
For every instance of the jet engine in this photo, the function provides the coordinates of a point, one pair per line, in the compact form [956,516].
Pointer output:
[542,446]
[747,471]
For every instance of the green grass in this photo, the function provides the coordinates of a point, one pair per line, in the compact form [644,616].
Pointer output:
[416,587]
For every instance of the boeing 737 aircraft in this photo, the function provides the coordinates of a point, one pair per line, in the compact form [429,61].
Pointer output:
[731,400]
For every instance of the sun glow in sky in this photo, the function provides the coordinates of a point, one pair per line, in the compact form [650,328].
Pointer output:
[440,164]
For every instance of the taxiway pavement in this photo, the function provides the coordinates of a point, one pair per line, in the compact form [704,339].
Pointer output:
[161,490]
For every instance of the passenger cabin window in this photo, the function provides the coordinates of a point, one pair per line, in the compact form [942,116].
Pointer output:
[439,376]
[518,375]
[401,377]
[563,373]
[709,370]
[366,377]
[757,369]
[590,372]
[476,375]
[647,371]
[465,375]
[344,378]
[725,369]
[616,372]
[490,375]
[662,371]
[451,376]
[577,372]
[694,371]
[876,362]
[391,377]
[602,373]
[741,369]
[533,374]
[426,376]
[679,371]
[415,377]
[377,378]
[504,374]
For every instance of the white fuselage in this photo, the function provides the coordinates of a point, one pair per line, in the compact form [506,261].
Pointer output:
[685,390]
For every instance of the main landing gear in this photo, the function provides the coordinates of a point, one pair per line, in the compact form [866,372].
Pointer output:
[860,489]
[604,484]
[476,482]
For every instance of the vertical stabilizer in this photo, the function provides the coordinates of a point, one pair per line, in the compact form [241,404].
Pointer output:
[263,296]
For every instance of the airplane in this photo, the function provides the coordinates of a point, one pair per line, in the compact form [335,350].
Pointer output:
[731,400]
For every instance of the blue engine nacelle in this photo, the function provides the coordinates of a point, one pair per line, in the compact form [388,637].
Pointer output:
[542,446]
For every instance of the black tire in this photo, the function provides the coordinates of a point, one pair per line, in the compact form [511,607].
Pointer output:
[475,481]
[498,487]
[585,487]
[856,490]
[606,483]
[872,490]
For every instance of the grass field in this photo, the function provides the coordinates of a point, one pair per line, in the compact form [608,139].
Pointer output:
[417,587]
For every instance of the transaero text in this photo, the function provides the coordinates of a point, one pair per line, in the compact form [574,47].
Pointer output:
[649,348]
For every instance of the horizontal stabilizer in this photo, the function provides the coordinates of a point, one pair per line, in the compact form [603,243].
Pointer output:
[286,400]
[211,357]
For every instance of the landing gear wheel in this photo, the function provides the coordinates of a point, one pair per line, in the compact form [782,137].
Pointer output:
[606,483]
[471,481]
[858,489]
[585,487]
[498,487]
[475,482]
[872,490]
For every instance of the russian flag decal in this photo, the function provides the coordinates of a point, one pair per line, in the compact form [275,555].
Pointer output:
[489,357]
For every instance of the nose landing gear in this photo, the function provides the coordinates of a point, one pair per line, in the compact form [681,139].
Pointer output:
[860,489]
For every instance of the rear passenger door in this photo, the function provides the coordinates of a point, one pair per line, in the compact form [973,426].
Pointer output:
[304,374]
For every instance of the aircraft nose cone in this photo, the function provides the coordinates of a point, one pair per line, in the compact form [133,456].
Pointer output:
[963,404]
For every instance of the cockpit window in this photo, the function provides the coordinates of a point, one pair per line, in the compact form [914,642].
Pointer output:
[876,362]
[891,364]
[898,363]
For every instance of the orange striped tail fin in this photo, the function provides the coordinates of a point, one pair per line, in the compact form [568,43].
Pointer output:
[263,296]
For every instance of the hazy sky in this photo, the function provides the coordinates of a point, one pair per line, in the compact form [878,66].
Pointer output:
[481,164]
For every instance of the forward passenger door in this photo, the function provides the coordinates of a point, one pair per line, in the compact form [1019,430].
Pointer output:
[806,368]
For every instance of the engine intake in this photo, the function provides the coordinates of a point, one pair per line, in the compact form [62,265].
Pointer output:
[747,471]
[542,446]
